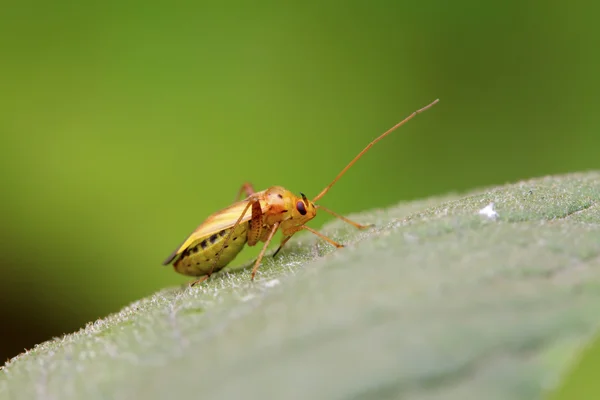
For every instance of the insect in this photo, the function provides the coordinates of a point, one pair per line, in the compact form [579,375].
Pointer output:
[219,239]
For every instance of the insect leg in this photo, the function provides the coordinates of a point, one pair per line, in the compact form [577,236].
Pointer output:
[255,228]
[319,234]
[199,280]
[355,224]
[283,242]
[246,188]
[262,252]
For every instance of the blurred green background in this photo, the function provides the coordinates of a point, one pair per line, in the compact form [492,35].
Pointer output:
[124,124]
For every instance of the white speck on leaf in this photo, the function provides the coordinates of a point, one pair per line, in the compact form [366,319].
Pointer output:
[489,211]
[272,282]
[247,297]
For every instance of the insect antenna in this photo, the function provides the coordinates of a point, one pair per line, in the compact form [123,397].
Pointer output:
[393,128]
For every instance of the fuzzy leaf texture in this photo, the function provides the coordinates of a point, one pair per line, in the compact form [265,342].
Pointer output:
[442,299]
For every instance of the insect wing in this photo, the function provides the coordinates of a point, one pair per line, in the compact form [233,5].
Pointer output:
[218,221]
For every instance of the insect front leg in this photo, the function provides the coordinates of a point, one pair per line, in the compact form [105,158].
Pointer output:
[295,229]
[246,188]
[283,242]
[349,221]
[319,234]
[290,232]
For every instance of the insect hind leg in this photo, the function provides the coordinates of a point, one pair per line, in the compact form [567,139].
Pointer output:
[199,280]
[246,189]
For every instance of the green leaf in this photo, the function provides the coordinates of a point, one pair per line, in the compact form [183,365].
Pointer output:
[437,301]
[582,381]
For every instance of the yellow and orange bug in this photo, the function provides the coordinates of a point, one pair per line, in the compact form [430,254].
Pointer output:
[219,239]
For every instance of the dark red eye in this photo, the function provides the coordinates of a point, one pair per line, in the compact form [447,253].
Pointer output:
[300,207]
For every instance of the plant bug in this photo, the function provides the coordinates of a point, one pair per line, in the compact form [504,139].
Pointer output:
[219,239]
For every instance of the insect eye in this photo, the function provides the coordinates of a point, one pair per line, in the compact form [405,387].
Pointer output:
[300,207]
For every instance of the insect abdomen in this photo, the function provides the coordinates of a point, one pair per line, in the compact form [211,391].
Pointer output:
[199,257]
